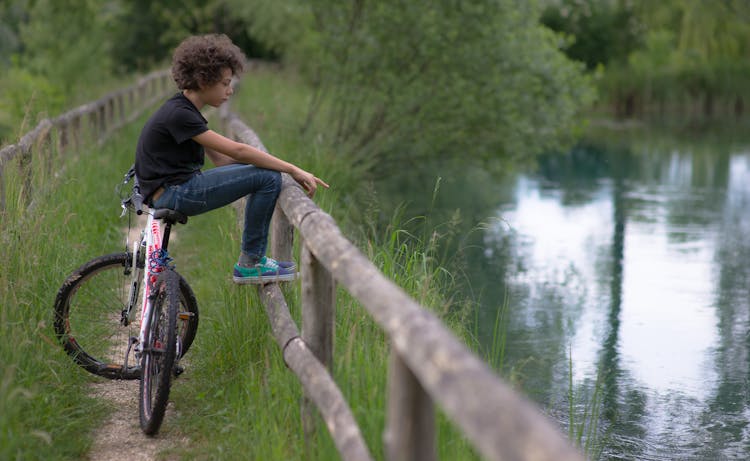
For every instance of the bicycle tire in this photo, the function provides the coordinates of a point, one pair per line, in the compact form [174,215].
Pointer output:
[159,352]
[88,309]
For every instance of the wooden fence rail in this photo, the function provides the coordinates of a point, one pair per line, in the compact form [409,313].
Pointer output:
[97,119]
[428,363]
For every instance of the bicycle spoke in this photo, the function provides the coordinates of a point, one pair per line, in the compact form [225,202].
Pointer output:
[88,310]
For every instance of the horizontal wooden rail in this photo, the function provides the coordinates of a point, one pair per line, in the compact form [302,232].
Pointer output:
[99,118]
[428,362]
[317,382]
[315,378]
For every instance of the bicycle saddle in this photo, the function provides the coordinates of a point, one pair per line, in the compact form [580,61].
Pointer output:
[170,216]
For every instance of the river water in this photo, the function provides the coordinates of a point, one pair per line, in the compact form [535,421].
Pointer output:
[612,283]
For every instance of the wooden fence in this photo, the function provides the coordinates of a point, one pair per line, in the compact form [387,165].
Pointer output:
[427,362]
[97,120]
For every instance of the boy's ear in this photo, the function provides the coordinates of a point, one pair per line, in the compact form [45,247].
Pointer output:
[201,84]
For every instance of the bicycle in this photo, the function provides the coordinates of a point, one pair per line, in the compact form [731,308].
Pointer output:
[97,312]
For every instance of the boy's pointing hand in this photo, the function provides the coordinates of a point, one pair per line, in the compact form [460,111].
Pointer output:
[308,181]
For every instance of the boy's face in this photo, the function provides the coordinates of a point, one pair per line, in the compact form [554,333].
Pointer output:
[218,93]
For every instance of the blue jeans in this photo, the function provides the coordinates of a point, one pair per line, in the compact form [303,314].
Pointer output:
[223,185]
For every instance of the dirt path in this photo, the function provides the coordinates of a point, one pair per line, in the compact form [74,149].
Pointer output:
[120,437]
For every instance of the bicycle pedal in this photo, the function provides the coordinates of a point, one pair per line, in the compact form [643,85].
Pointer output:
[178,370]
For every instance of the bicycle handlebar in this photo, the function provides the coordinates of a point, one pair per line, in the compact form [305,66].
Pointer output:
[135,199]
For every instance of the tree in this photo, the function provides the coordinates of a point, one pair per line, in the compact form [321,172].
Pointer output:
[684,56]
[66,41]
[146,32]
[406,80]
[600,31]
[12,15]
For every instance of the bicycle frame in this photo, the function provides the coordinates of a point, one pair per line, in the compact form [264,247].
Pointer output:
[148,261]
[142,285]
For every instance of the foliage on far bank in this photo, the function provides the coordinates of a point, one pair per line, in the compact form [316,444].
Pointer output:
[400,81]
[671,57]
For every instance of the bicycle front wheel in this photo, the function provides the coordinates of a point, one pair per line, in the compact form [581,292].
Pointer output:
[88,317]
[159,352]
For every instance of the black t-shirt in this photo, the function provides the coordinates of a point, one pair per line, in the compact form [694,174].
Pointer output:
[166,154]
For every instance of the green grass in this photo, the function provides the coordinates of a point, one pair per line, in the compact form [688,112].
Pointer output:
[237,399]
[43,412]
[584,412]
[249,401]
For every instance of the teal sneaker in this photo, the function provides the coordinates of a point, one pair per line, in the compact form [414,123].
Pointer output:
[282,264]
[266,271]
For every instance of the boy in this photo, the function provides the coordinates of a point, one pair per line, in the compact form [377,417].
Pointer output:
[172,145]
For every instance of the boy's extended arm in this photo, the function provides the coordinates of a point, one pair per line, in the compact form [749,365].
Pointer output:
[244,153]
[217,158]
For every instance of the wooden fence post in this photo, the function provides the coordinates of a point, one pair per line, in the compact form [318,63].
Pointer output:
[111,114]
[318,307]
[77,141]
[7,153]
[2,190]
[26,172]
[45,146]
[62,140]
[101,118]
[131,101]
[282,236]
[121,109]
[318,315]
[93,122]
[410,424]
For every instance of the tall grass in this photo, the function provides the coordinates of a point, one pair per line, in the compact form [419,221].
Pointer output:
[237,400]
[584,411]
[47,230]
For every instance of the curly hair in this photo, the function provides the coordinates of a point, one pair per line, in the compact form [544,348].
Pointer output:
[198,61]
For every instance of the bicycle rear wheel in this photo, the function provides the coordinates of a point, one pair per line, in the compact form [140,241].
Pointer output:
[159,352]
[88,312]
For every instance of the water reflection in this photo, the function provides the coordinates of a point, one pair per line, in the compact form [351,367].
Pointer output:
[656,239]
[630,255]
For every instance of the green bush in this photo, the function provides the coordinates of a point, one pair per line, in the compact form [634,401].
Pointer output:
[404,81]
